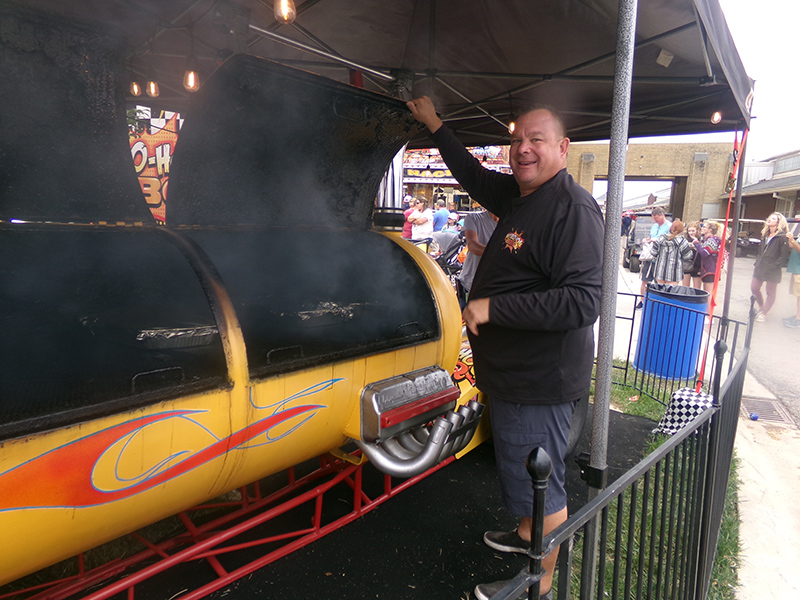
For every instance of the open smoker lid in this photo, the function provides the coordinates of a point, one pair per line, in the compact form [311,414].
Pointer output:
[64,139]
[266,144]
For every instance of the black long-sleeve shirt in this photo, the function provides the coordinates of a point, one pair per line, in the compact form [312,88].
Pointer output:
[542,269]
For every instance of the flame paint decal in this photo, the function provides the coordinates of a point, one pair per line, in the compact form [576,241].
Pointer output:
[465,370]
[65,476]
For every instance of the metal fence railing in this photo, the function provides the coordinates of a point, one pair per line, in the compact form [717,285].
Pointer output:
[653,532]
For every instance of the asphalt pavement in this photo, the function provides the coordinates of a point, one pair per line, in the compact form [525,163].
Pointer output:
[775,350]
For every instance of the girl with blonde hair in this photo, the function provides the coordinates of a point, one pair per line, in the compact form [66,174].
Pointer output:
[773,255]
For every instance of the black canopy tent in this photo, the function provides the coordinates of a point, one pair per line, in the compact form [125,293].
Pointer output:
[481,61]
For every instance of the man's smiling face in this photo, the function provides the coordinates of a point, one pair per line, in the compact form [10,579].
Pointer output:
[538,149]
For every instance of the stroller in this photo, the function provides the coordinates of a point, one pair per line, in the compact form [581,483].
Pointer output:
[450,244]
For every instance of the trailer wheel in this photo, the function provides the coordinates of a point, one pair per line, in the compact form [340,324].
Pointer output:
[634,264]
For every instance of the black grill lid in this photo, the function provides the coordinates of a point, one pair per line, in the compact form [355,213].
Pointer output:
[270,145]
[63,136]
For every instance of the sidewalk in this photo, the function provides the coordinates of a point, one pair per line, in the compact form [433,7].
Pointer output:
[769,471]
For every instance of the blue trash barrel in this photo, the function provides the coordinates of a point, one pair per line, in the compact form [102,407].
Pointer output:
[671,331]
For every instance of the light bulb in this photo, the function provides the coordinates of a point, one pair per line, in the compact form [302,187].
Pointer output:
[191,81]
[285,11]
[136,89]
[716,117]
[511,127]
[152,88]
[191,78]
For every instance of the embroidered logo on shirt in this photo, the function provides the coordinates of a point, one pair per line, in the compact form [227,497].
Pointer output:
[514,241]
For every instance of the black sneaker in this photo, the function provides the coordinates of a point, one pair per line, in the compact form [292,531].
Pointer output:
[484,591]
[639,305]
[793,323]
[506,541]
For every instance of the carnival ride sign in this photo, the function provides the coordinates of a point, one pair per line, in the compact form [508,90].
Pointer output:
[151,151]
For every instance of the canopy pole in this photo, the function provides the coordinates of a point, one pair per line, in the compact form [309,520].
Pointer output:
[299,45]
[618,148]
[623,77]
[737,208]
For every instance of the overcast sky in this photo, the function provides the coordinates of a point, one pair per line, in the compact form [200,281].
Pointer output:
[766,35]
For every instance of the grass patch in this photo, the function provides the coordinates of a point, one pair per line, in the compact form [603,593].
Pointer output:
[724,576]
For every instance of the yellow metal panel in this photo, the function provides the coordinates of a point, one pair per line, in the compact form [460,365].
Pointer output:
[83,485]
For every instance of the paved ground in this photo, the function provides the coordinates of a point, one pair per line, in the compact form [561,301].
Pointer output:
[768,448]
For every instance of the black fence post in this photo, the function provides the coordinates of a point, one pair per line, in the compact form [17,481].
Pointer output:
[539,468]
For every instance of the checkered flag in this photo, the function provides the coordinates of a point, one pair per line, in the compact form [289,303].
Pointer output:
[685,405]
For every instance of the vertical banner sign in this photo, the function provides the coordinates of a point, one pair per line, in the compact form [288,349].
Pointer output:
[152,151]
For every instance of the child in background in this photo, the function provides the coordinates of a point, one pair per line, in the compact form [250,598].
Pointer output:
[452,223]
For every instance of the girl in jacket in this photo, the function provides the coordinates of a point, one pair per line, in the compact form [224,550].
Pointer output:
[672,251]
[708,250]
[691,277]
[772,257]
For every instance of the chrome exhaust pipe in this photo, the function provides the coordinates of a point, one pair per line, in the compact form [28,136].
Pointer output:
[467,415]
[394,448]
[396,467]
[421,434]
[476,409]
[456,420]
[409,442]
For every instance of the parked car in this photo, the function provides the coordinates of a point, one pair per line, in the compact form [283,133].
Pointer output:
[748,240]
[640,229]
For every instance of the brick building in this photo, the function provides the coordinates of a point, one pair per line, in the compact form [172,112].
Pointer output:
[771,186]
[698,172]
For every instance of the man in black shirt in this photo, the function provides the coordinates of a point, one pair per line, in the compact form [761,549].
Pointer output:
[534,299]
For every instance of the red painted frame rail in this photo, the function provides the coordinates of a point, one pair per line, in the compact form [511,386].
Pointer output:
[205,541]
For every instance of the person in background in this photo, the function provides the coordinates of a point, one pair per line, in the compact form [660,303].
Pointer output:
[626,224]
[406,223]
[478,228]
[793,269]
[672,252]
[533,303]
[452,223]
[708,249]
[440,216]
[691,277]
[660,226]
[421,220]
[773,255]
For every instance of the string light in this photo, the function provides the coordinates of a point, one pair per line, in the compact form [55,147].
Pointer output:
[191,77]
[135,89]
[285,11]
[151,87]
[716,117]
